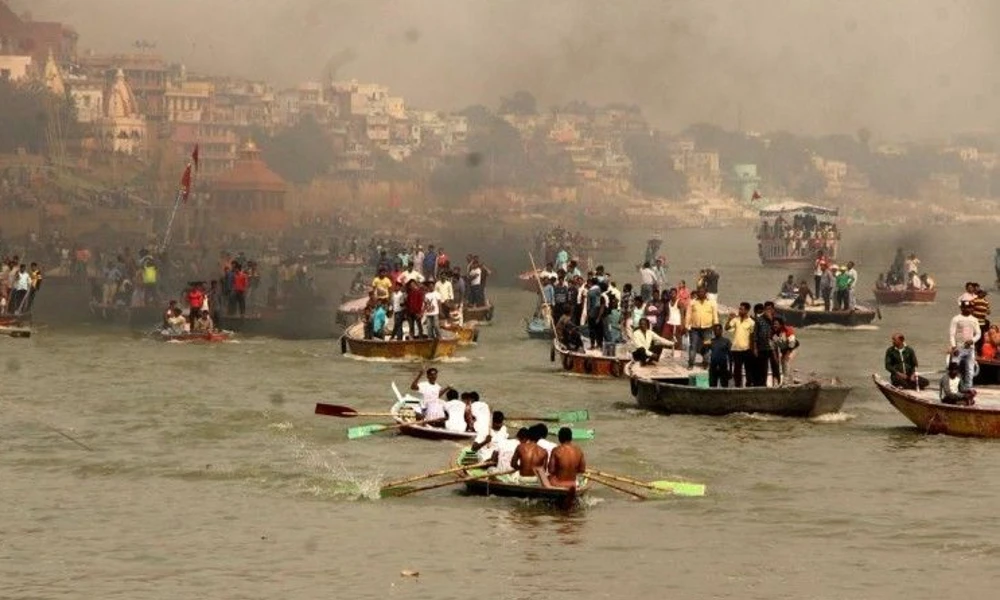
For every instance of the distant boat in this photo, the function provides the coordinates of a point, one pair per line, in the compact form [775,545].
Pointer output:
[781,243]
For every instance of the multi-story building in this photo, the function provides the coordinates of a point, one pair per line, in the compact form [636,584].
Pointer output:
[23,36]
[147,75]
[187,101]
[217,146]
[14,67]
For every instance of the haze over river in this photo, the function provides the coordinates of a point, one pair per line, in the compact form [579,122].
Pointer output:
[210,477]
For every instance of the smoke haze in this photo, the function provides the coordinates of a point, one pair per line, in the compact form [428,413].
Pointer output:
[902,69]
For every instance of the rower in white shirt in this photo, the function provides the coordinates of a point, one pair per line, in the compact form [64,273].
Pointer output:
[481,414]
[504,453]
[488,443]
[456,411]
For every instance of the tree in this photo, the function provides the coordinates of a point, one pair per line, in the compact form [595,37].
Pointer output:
[299,153]
[33,118]
[653,168]
[521,103]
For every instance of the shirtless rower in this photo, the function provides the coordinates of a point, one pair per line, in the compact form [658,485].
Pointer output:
[529,458]
[566,461]
[540,433]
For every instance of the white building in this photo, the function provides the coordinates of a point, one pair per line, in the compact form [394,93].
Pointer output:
[14,68]
[121,128]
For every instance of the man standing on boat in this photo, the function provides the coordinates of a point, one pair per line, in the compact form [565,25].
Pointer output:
[821,266]
[852,296]
[742,327]
[702,316]
[901,363]
[566,461]
[963,333]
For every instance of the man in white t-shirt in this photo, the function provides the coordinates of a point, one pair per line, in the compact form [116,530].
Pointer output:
[504,453]
[431,405]
[410,274]
[482,416]
[488,442]
[476,296]
[456,410]
[432,309]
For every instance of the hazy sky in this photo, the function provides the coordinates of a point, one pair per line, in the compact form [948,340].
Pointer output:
[900,67]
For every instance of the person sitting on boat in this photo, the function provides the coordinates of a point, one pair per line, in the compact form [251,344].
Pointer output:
[431,392]
[928,281]
[457,411]
[566,461]
[991,344]
[503,456]
[648,345]
[540,433]
[177,324]
[803,296]
[901,363]
[785,345]
[167,314]
[880,283]
[528,458]
[486,444]
[953,389]
[788,288]
[480,415]
[203,323]
[963,333]
[568,333]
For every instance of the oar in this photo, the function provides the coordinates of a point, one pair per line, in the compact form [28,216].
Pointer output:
[678,488]
[366,430]
[335,410]
[455,481]
[400,482]
[617,487]
[570,416]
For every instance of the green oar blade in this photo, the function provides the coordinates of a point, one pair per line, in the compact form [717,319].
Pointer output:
[572,416]
[583,434]
[363,431]
[680,488]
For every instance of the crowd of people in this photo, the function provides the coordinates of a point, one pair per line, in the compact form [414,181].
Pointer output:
[19,284]
[530,456]
[420,291]
[804,236]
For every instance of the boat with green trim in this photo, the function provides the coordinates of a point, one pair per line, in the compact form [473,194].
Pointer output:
[503,485]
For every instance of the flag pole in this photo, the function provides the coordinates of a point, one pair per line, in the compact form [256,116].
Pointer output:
[170,223]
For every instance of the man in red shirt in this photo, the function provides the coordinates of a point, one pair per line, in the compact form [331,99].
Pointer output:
[415,308]
[240,284]
[195,299]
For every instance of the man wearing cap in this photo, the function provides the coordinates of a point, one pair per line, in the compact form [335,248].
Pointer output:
[963,334]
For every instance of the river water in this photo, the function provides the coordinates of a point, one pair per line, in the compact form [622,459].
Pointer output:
[209,476]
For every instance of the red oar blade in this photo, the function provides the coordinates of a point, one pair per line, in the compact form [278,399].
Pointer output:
[334,410]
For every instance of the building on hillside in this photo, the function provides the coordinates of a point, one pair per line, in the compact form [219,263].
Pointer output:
[122,127]
[701,170]
[244,104]
[23,36]
[147,75]
[188,101]
[14,67]
[356,163]
[746,182]
[834,173]
[87,94]
[305,99]
[248,198]
[217,146]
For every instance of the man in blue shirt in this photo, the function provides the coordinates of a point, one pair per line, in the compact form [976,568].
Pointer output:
[720,358]
[378,321]
[430,263]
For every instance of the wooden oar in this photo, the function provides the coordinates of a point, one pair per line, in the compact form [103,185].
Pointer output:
[678,488]
[455,481]
[570,416]
[366,430]
[538,280]
[616,487]
[400,482]
[335,410]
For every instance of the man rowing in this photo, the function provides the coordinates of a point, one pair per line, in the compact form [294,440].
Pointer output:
[503,456]
[566,461]
[431,392]
[528,459]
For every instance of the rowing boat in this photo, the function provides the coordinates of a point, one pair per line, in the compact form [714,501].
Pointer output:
[925,411]
[404,412]
[15,320]
[593,363]
[505,485]
[193,336]
[668,391]
[478,313]
[15,332]
[815,315]
[467,333]
[353,341]
[906,296]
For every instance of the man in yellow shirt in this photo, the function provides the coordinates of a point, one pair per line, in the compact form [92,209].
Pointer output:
[742,327]
[381,285]
[702,316]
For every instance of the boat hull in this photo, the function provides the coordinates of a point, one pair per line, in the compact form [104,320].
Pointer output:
[213,336]
[803,400]
[592,365]
[937,418]
[538,329]
[467,334]
[844,318]
[353,342]
[498,487]
[478,313]
[905,296]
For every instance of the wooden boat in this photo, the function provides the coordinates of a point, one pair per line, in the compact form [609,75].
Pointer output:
[478,313]
[538,328]
[353,341]
[467,333]
[352,311]
[12,320]
[925,411]
[193,336]
[504,486]
[15,331]
[908,296]
[670,393]
[815,315]
[590,362]
[780,251]
[403,412]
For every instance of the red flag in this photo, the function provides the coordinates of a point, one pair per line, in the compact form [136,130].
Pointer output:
[186,183]
[756,195]
[194,157]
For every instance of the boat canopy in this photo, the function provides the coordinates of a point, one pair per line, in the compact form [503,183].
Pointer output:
[791,207]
